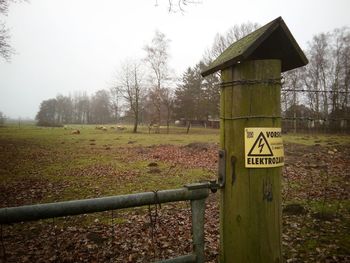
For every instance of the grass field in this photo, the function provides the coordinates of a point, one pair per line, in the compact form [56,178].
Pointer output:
[55,156]
[40,165]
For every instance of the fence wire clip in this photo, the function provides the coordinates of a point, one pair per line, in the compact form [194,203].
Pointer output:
[213,185]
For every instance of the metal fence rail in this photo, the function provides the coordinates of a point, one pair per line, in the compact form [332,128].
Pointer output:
[196,193]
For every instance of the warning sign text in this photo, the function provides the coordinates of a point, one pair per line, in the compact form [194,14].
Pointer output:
[263,147]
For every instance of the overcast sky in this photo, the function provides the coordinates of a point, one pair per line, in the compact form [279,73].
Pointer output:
[64,46]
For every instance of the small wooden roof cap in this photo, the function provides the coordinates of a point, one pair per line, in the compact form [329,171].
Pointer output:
[272,41]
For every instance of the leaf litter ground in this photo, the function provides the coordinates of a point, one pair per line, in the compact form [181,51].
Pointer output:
[316,217]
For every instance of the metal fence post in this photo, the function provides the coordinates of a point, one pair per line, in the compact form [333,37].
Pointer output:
[198,209]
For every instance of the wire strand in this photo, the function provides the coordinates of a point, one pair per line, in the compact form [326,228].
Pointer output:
[315,91]
[276,81]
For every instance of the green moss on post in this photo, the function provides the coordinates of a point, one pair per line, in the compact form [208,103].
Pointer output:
[250,224]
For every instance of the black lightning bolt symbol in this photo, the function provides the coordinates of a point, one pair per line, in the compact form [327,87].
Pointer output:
[261,145]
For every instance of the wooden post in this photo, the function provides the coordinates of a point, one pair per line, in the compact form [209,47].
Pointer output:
[250,212]
[250,224]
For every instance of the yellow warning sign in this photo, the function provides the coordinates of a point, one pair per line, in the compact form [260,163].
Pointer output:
[263,147]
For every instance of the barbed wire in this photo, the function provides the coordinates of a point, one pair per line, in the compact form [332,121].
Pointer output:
[323,104]
[315,91]
[283,118]
[315,119]
[275,81]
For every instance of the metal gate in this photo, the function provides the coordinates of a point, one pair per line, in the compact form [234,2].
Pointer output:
[195,193]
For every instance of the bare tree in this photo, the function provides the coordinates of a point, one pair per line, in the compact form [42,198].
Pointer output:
[4,5]
[100,111]
[130,85]
[220,43]
[291,98]
[223,41]
[2,118]
[81,108]
[327,76]
[345,102]
[157,57]
[116,96]
[326,79]
[339,68]
[239,31]
[311,82]
[319,53]
[293,83]
[167,96]
[64,109]
[6,50]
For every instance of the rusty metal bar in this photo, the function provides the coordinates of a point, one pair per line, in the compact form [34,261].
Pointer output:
[76,207]
[182,259]
[198,211]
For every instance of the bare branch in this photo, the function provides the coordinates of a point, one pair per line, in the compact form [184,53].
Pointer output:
[5,49]
[173,8]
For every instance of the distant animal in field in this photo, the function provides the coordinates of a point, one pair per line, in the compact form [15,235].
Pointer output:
[121,128]
[75,132]
[155,127]
[102,128]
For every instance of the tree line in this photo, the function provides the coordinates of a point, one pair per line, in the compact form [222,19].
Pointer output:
[145,90]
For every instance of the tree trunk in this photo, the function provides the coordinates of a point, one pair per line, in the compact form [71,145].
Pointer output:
[135,125]
[168,119]
[136,116]
[188,126]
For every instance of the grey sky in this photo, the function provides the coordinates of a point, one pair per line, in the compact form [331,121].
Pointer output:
[77,45]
